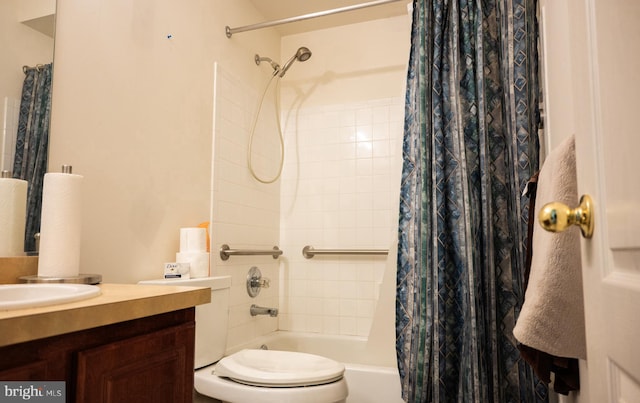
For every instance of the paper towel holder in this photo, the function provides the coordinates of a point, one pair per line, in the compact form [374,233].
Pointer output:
[79,279]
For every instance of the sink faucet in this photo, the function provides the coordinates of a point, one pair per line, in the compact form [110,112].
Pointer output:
[259,310]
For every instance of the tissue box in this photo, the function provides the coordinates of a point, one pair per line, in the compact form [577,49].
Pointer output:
[177,270]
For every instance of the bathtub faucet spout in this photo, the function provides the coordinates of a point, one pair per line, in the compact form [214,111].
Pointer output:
[259,310]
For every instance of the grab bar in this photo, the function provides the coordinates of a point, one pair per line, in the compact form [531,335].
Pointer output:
[226,251]
[309,252]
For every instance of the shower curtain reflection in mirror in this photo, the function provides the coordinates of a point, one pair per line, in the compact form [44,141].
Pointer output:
[30,159]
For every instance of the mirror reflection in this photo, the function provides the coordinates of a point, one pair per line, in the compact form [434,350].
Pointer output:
[27,42]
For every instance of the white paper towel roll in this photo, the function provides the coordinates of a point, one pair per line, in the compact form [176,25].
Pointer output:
[193,240]
[60,225]
[199,262]
[13,215]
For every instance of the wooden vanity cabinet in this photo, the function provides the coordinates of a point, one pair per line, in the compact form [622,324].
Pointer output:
[143,360]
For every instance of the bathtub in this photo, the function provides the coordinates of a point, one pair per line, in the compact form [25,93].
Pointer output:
[368,381]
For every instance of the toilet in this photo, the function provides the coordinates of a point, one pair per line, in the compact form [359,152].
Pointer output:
[254,375]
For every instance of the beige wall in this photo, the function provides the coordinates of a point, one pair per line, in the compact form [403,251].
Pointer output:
[133,113]
[555,75]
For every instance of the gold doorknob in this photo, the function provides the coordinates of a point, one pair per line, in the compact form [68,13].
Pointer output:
[557,217]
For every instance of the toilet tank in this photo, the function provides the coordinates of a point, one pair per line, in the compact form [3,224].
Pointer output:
[211,318]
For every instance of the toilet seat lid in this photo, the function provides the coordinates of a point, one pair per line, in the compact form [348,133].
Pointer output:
[277,368]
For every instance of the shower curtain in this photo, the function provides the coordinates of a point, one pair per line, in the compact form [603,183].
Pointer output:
[470,146]
[30,158]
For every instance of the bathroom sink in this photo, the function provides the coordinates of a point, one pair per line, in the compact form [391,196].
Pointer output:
[17,296]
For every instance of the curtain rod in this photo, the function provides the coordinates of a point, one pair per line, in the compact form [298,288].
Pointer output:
[231,31]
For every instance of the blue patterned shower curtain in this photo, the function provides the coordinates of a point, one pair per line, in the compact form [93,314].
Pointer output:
[32,143]
[470,147]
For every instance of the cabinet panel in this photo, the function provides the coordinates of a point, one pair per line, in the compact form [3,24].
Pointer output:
[156,367]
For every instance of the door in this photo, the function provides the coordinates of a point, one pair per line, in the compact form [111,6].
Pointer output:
[603,62]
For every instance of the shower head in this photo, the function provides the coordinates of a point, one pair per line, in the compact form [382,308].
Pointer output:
[303,54]
[274,65]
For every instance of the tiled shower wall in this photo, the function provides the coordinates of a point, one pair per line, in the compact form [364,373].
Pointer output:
[342,120]
[339,191]
[245,212]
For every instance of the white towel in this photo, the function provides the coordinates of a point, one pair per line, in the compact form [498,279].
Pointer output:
[552,317]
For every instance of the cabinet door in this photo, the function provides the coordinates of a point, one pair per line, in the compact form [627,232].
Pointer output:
[156,367]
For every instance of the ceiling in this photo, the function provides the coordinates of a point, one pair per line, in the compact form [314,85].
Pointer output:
[279,9]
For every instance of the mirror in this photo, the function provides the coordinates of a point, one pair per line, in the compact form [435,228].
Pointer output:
[26,39]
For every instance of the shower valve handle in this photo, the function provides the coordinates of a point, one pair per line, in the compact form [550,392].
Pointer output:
[255,282]
[262,283]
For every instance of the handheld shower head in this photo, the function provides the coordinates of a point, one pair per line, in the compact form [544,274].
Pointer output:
[302,54]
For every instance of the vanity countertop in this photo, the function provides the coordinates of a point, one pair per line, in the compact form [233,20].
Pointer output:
[117,303]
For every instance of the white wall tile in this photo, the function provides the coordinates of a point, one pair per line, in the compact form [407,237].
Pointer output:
[348,325]
[246,213]
[343,196]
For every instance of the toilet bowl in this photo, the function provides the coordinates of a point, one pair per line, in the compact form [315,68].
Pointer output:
[254,375]
[273,376]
